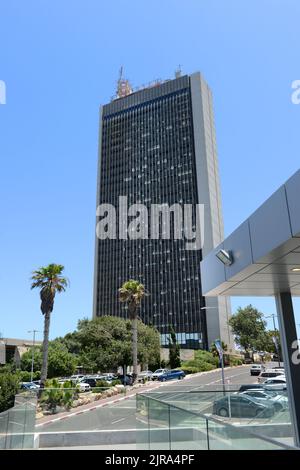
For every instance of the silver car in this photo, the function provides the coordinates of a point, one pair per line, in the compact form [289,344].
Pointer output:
[275,383]
[279,402]
[145,375]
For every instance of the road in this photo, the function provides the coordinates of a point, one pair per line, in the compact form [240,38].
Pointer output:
[122,415]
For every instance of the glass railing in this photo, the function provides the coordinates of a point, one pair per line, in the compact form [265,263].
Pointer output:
[172,420]
[17,425]
[98,417]
[176,416]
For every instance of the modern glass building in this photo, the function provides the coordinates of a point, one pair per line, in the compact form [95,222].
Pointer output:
[156,146]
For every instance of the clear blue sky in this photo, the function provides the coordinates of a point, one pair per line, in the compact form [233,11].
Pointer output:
[60,61]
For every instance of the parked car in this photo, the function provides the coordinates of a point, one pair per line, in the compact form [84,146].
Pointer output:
[109,377]
[29,386]
[37,383]
[92,381]
[256,369]
[83,387]
[279,402]
[275,383]
[250,386]
[158,373]
[77,377]
[145,375]
[248,360]
[269,373]
[64,379]
[240,406]
[127,380]
[171,375]
[279,369]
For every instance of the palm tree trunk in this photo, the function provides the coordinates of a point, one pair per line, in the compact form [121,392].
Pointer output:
[45,350]
[134,347]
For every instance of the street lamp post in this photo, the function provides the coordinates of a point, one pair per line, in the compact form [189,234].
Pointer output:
[275,342]
[32,358]
[218,345]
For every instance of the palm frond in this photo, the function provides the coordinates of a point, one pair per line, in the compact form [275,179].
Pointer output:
[49,280]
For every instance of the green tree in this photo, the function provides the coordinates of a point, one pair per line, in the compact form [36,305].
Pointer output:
[49,281]
[132,293]
[101,344]
[174,350]
[271,346]
[9,386]
[71,342]
[27,358]
[249,328]
[148,345]
[104,343]
[60,361]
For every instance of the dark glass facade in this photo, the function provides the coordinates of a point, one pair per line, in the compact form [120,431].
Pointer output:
[147,154]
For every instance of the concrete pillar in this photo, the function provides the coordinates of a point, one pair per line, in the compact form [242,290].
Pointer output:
[289,345]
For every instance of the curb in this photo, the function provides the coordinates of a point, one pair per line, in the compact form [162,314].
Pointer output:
[76,413]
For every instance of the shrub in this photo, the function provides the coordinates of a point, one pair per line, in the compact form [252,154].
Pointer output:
[234,361]
[206,356]
[203,361]
[9,387]
[25,376]
[103,384]
[189,369]
[37,375]
[116,382]
[56,394]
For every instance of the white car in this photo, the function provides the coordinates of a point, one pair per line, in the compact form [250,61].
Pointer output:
[83,387]
[275,383]
[76,377]
[268,374]
[158,373]
[256,369]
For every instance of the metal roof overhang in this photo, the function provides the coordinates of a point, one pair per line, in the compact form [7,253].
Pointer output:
[265,249]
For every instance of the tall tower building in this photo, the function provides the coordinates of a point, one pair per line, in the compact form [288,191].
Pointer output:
[157,145]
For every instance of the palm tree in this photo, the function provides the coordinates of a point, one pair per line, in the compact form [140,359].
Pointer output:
[132,292]
[49,280]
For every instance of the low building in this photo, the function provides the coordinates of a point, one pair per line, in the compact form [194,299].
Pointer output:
[14,348]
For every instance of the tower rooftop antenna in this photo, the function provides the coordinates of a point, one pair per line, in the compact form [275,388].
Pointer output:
[178,71]
[123,86]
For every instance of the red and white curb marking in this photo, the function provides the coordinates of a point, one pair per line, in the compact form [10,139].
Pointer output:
[83,411]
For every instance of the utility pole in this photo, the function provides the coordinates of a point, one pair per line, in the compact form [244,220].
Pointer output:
[275,342]
[219,348]
[32,358]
